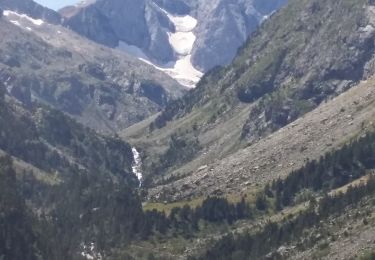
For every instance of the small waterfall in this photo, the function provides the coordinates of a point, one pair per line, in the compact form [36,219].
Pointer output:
[137,165]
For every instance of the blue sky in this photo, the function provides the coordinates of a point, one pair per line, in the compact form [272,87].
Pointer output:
[56,4]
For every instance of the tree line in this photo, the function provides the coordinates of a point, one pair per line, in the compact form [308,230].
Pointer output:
[254,245]
[185,220]
[331,171]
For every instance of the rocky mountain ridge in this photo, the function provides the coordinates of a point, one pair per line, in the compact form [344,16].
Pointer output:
[32,9]
[147,27]
[103,88]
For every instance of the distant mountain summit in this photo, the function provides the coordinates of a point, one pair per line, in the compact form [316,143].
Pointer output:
[32,9]
[182,38]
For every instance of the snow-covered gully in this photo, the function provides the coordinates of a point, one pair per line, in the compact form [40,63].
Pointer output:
[182,41]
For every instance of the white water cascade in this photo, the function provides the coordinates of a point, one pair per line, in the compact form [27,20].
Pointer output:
[137,165]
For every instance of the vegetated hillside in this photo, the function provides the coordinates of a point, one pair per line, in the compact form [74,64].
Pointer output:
[324,189]
[17,237]
[75,192]
[326,128]
[334,227]
[308,52]
[51,141]
[80,212]
[102,88]
[312,213]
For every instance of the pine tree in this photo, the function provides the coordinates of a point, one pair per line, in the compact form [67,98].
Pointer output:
[17,238]
[261,202]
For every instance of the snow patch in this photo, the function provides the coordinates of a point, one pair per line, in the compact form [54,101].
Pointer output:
[137,165]
[185,23]
[184,72]
[181,70]
[85,3]
[15,22]
[368,29]
[11,15]
[182,41]
[90,253]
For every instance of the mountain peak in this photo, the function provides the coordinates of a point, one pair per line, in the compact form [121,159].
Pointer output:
[182,38]
[32,9]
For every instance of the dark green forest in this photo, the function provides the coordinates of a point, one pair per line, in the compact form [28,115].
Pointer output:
[250,245]
[17,237]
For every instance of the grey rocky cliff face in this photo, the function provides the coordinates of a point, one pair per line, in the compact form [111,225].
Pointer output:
[138,23]
[223,26]
[134,33]
[98,29]
[158,26]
